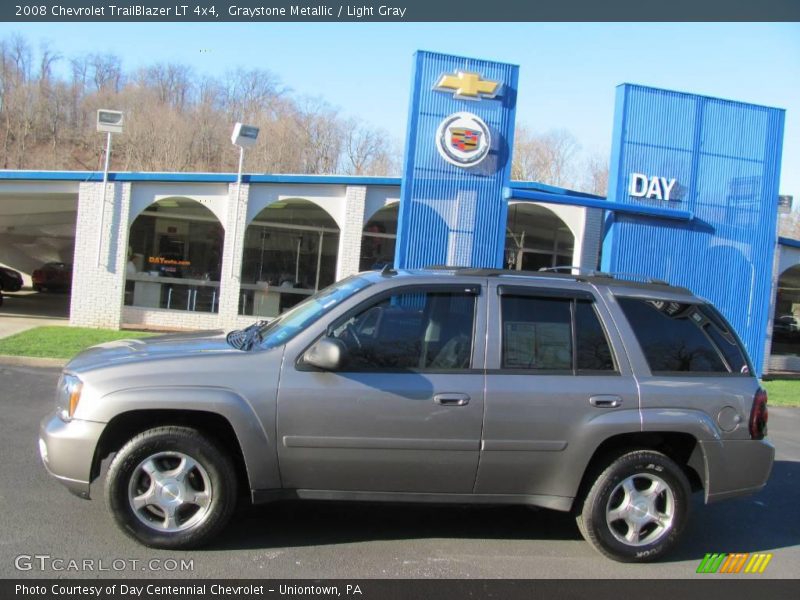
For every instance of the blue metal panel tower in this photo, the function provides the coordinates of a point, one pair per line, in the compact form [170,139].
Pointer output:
[718,160]
[457,162]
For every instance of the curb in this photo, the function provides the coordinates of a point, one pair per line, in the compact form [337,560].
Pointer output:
[31,361]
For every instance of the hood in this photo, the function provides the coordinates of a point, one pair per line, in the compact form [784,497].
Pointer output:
[159,347]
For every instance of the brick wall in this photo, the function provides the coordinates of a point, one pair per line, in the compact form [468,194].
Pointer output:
[592,239]
[98,289]
[232,255]
[350,234]
[169,320]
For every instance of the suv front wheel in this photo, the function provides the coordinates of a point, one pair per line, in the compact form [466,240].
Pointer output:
[171,487]
[637,507]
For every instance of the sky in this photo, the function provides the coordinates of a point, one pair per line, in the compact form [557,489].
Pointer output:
[568,71]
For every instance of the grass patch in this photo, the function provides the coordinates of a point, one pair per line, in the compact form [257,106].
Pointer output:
[783,392]
[61,342]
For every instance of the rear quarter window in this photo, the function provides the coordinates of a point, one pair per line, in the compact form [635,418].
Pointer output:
[679,337]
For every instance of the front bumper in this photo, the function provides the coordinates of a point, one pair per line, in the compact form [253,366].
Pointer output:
[736,467]
[67,450]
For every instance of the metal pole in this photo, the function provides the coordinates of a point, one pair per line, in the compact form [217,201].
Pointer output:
[319,260]
[103,204]
[234,275]
[297,261]
[261,260]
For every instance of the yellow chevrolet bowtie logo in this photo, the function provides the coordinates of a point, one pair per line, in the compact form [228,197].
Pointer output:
[467,86]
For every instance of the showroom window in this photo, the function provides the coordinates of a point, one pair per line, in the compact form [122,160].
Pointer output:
[786,324]
[536,238]
[175,257]
[379,239]
[290,252]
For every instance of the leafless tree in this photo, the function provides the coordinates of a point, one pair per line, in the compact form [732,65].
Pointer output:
[367,151]
[106,72]
[597,175]
[171,82]
[547,157]
[175,120]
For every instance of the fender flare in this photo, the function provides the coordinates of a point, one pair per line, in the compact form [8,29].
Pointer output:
[257,446]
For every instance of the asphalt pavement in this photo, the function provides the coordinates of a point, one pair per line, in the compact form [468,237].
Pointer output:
[27,309]
[38,517]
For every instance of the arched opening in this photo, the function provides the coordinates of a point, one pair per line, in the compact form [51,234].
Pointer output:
[290,252]
[175,257]
[786,325]
[379,239]
[536,238]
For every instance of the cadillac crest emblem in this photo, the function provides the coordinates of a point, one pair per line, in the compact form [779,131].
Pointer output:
[463,139]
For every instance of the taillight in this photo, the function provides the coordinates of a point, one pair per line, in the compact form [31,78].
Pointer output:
[759,415]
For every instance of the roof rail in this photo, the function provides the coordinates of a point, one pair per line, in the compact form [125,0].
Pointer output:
[606,275]
[561,268]
[589,275]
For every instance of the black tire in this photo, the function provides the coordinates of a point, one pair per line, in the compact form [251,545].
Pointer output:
[38,288]
[662,515]
[213,478]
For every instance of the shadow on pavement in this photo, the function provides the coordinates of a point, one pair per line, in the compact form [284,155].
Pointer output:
[767,520]
[311,523]
[764,521]
[31,304]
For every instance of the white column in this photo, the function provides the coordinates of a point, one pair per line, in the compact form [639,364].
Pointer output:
[98,290]
[235,225]
[351,232]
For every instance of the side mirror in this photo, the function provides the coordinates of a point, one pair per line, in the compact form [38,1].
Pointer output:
[328,354]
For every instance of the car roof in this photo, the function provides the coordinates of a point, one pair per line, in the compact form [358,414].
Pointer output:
[615,282]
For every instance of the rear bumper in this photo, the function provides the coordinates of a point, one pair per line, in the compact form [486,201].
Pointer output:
[67,450]
[736,467]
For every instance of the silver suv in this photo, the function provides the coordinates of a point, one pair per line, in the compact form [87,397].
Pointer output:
[611,399]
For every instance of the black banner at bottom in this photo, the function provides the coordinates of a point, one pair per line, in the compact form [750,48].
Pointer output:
[390,589]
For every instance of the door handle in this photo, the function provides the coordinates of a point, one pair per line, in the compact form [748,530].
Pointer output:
[605,401]
[451,399]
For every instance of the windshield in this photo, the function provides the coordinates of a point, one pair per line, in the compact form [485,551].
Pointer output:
[290,323]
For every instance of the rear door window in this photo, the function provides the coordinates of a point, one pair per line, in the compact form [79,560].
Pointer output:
[550,334]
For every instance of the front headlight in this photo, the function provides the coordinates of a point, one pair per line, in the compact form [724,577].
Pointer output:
[68,395]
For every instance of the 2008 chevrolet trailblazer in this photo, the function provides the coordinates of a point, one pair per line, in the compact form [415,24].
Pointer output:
[608,398]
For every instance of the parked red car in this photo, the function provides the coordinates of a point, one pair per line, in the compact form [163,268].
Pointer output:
[52,276]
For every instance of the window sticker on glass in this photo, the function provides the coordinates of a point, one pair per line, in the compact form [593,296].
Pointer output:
[519,341]
[537,346]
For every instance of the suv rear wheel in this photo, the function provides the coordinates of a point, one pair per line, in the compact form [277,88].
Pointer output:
[171,487]
[637,507]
